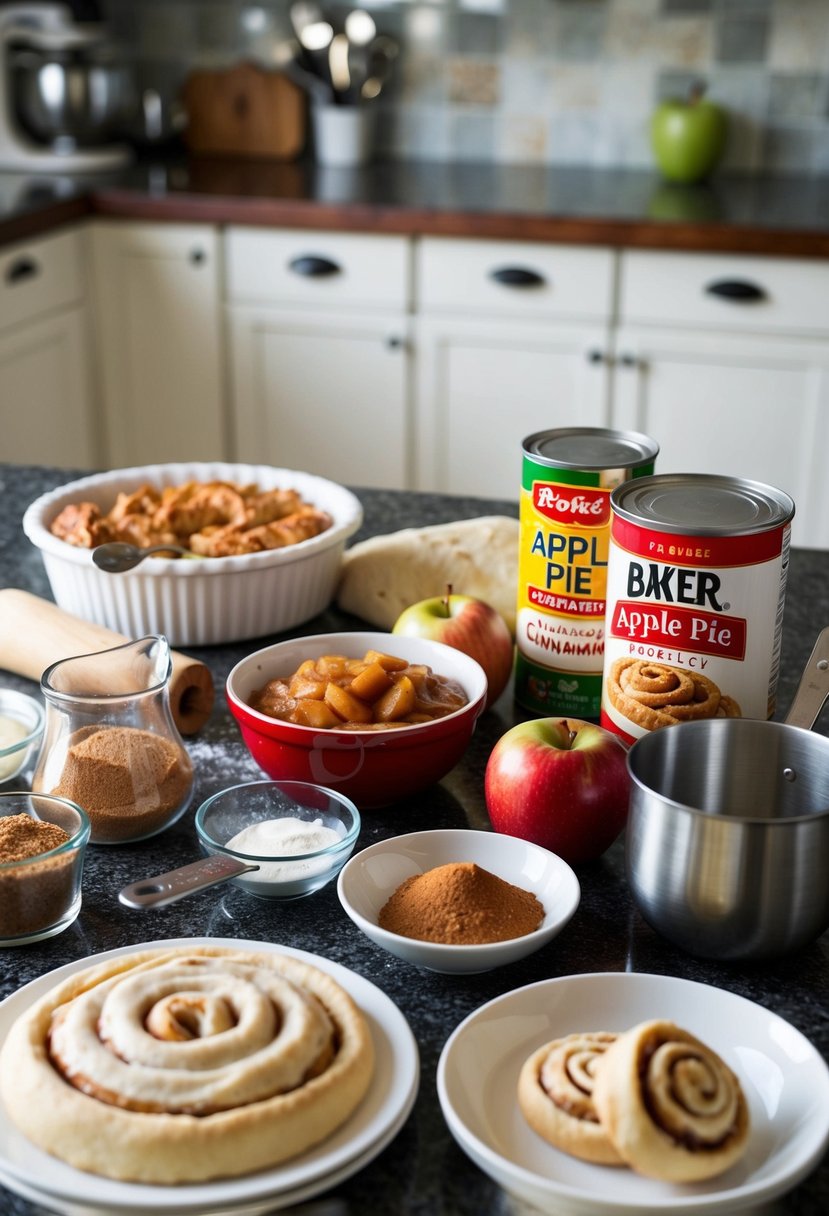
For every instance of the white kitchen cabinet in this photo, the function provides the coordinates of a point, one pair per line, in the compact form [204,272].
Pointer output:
[160,341]
[485,385]
[512,338]
[735,384]
[46,389]
[320,348]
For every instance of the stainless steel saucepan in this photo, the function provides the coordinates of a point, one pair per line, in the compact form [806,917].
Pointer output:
[727,842]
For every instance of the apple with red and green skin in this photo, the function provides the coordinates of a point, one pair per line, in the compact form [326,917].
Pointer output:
[468,624]
[561,783]
[688,137]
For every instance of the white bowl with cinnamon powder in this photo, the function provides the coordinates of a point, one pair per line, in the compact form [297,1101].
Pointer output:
[42,847]
[204,602]
[457,900]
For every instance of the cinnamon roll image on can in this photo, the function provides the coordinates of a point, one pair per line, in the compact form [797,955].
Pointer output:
[186,1064]
[696,584]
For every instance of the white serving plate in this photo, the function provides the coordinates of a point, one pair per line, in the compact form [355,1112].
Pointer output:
[785,1080]
[387,1104]
[197,603]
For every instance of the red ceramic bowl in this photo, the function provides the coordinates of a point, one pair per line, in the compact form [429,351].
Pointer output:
[373,768]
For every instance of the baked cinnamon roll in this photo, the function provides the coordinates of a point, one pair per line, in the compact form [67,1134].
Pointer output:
[183,1065]
[555,1093]
[671,1106]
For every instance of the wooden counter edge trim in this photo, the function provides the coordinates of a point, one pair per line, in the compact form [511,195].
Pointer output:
[705,237]
[409,221]
[44,220]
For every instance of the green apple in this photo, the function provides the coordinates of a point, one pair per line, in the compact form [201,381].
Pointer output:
[468,624]
[688,137]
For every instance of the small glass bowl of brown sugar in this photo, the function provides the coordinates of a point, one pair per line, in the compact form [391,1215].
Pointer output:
[42,846]
[457,900]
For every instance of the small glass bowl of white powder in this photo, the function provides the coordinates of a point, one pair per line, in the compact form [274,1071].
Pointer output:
[298,835]
[21,729]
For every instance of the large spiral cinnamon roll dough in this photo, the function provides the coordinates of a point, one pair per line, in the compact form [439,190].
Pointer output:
[555,1093]
[670,1104]
[183,1065]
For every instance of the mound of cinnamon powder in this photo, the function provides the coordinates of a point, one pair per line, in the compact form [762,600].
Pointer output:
[129,781]
[460,904]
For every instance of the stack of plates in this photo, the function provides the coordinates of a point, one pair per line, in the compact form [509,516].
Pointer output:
[42,1179]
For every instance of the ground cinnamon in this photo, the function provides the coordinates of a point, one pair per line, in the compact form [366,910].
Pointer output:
[460,904]
[130,782]
[37,895]
[22,837]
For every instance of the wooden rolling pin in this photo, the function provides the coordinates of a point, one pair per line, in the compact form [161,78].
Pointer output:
[35,633]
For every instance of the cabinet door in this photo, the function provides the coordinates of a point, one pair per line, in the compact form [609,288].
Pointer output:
[743,406]
[326,393]
[483,386]
[45,393]
[158,317]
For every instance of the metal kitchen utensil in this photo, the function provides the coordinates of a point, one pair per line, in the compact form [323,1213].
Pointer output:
[727,842]
[116,556]
[185,880]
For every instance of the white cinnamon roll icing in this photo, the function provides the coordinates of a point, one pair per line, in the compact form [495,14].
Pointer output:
[672,1107]
[183,1065]
[555,1093]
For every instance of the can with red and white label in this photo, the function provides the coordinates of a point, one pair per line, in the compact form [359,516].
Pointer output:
[568,475]
[696,585]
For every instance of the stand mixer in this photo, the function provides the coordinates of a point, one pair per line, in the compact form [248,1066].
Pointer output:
[47,32]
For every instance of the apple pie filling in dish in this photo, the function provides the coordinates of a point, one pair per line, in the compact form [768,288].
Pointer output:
[212,519]
[377,692]
[183,1065]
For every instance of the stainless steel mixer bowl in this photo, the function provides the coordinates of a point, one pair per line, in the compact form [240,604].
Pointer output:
[727,842]
[71,97]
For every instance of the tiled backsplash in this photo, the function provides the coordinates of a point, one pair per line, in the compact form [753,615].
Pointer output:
[543,81]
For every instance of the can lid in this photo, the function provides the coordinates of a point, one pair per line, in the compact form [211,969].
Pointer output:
[592,447]
[702,504]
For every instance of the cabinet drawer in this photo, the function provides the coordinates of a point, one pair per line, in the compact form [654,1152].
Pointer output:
[724,292]
[512,278]
[38,277]
[319,268]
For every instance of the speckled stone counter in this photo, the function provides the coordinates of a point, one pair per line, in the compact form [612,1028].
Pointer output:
[422,1171]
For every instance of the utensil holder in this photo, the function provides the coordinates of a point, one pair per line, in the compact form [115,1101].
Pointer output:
[343,135]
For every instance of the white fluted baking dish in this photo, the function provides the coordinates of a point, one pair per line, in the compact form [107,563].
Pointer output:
[219,599]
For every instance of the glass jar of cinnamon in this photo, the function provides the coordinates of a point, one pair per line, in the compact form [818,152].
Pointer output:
[110,742]
[42,846]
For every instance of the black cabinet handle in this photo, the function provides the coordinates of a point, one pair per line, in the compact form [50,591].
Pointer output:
[22,269]
[739,291]
[596,356]
[197,257]
[517,276]
[313,267]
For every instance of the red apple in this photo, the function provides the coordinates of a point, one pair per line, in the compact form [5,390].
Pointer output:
[468,624]
[560,783]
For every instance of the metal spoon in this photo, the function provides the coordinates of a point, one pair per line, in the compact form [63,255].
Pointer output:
[116,556]
[186,880]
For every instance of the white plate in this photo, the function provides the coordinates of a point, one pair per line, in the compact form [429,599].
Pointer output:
[389,1099]
[260,1207]
[785,1080]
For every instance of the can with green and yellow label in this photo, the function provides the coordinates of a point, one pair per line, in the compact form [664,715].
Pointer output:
[567,477]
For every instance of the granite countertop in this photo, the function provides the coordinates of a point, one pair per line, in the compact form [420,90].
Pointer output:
[422,1172]
[621,208]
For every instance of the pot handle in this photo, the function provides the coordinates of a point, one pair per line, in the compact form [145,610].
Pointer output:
[813,688]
